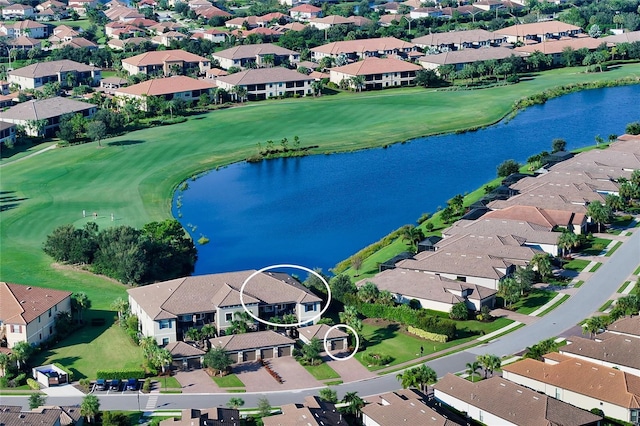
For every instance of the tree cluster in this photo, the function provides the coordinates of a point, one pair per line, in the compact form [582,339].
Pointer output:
[159,252]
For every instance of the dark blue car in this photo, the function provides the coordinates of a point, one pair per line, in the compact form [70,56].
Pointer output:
[132,384]
[115,384]
[101,384]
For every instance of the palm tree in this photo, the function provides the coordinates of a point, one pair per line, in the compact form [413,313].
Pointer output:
[80,302]
[541,262]
[121,306]
[472,369]
[592,326]
[615,202]
[235,403]
[21,352]
[358,82]
[599,213]
[240,92]
[90,407]
[316,87]
[368,293]
[163,358]
[4,362]
[568,240]
[148,345]
[241,322]
[412,235]
[489,363]
[355,403]
[408,379]
[425,376]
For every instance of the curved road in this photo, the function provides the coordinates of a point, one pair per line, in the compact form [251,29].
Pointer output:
[593,293]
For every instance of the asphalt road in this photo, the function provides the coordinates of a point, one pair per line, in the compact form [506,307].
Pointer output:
[593,293]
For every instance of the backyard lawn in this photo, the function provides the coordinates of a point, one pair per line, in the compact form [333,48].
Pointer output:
[387,339]
[109,348]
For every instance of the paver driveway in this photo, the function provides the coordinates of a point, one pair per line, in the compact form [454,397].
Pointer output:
[257,379]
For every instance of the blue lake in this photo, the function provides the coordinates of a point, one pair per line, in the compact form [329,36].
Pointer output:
[316,211]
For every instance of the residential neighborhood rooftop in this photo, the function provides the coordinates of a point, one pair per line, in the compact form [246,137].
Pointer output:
[21,304]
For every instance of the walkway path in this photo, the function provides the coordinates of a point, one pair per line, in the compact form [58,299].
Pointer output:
[50,147]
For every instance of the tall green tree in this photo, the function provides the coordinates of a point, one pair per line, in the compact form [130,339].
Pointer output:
[90,407]
[36,400]
[489,363]
[354,403]
[472,369]
[218,359]
[568,240]
[541,262]
[328,395]
[80,303]
[368,293]
[599,213]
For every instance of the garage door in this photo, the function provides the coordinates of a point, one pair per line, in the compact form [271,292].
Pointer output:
[249,355]
[337,345]
[284,351]
[267,353]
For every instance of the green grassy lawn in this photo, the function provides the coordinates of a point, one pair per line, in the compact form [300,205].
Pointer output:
[389,340]
[533,301]
[555,305]
[576,265]
[322,371]
[166,382]
[605,306]
[637,271]
[578,284]
[594,246]
[92,348]
[22,150]
[133,176]
[83,23]
[228,381]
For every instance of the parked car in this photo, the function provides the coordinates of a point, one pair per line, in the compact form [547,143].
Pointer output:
[115,384]
[101,384]
[132,384]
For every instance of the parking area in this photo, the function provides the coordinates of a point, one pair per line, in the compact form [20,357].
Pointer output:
[257,379]
[115,386]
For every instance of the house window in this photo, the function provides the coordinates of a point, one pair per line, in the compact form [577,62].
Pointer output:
[165,341]
[310,307]
[228,317]
[38,319]
[165,324]
[16,328]
[56,308]
[50,330]
[49,312]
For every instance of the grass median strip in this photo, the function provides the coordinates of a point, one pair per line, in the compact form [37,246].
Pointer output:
[606,306]
[613,249]
[595,267]
[624,286]
[578,284]
[555,305]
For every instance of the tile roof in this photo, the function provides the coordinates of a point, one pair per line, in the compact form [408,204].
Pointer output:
[628,37]
[21,304]
[582,377]
[248,51]
[253,340]
[543,217]
[263,76]
[43,69]
[383,44]
[557,46]
[629,326]
[374,65]
[469,55]
[332,20]
[312,413]
[200,293]
[609,347]
[305,8]
[183,350]
[442,261]
[486,226]
[320,330]
[514,403]
[422,285]
[13,416]
[39,109]
[544,27]
[509,246]
[162,56]
[456,37]
[403,408]
[217,416]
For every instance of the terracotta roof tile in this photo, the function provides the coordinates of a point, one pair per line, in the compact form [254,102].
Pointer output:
[21,304]
[373,65]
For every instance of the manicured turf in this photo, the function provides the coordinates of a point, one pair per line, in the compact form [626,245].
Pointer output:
[605,306]
[533,301]
[388,340]
[165,382]
[595,267]
[110,348]
[613,249]
[555,305]
[228,381]
[133,176]
[623,287]
[322,371]
[576,265]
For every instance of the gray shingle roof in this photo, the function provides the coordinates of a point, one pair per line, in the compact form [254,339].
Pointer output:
[247,51]
[39,109]
[43,69]
[248,341]
[263,76]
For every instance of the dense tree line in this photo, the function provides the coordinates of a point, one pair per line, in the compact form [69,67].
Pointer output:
[159,251]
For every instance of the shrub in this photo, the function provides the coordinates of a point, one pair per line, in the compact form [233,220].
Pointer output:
[426,335]
[374,358]
[85,384]
[120,374]
[33,384]
[459,312]
[146,386]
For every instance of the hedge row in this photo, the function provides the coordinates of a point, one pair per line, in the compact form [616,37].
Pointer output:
[427,335]
[120,374]
[404,315]
[66,370]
